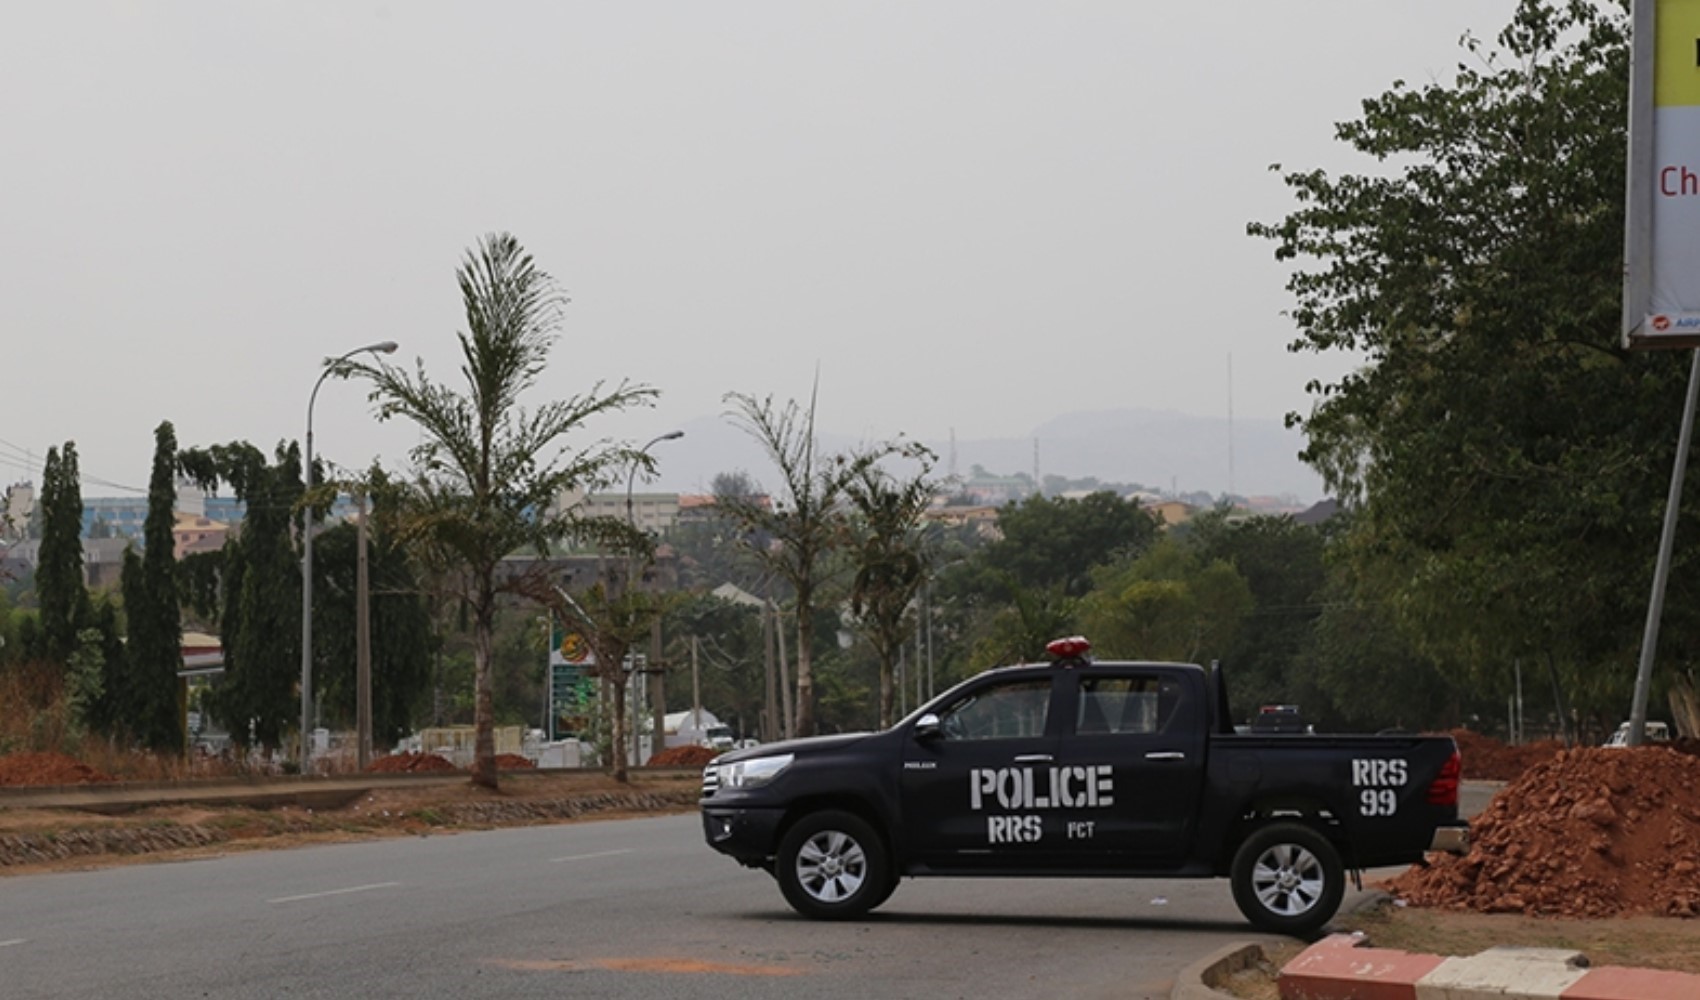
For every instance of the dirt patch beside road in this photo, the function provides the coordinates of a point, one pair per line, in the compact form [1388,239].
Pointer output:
[20,769]
[50,839]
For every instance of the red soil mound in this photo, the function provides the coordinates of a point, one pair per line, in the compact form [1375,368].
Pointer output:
[47,769]
[513,761]
[411,762]
[691,756]
[1592,832]
[1487,759]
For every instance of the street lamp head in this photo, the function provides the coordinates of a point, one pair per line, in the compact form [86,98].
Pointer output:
[382,347]
[671,436]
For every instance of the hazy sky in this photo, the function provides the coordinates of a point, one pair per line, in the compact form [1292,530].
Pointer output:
[969,215]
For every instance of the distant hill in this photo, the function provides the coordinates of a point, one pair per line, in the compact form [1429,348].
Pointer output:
[1158,449]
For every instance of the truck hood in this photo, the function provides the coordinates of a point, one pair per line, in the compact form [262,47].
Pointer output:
[804,745]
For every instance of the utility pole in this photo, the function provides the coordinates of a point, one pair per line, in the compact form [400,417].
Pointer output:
[696,687]
[363,636]
[657,687]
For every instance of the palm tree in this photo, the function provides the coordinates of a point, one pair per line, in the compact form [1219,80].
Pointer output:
[792,536]
[892,558]
[488,473]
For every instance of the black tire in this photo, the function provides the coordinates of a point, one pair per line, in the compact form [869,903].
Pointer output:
[1288,879]
[833,866]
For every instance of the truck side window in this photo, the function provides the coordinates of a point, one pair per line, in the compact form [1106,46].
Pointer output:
[1142,705]
[1002,712]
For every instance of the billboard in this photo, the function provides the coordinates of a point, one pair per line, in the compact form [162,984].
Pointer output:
[572,689]
[1661,301]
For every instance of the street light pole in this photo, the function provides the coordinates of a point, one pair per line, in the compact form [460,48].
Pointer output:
[383,347]
[632,476]
[657,687]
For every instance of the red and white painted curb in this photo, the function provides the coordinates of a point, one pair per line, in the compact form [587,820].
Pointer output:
[1341,967]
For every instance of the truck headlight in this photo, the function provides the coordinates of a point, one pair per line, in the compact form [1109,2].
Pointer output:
[750,773]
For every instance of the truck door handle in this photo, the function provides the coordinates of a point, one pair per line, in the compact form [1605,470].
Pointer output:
[1034,758]
[1165,755]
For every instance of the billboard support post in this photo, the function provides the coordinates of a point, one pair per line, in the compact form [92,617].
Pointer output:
[1661,289]
[1661,569]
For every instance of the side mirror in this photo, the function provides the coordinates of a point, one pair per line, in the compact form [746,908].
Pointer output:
[927,727]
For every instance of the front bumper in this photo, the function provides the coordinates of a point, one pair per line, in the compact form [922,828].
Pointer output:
[1451,839]
[749,834]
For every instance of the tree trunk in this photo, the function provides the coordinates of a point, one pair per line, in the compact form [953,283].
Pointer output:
[617,731]
[484,708]
[805,711]
[885,689]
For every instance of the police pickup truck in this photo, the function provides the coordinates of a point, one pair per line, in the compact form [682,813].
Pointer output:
[1083,768]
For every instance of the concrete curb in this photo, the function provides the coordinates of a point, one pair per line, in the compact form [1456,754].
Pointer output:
[1341,967]
[1198,980]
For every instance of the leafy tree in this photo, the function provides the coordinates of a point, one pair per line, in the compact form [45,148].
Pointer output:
[11,620]
[259,599]
[399,621]
[108,711]
[488,471]
[1056,542]
[1363,674]
[154,628]
[1282,564]
[1508,456]
[1018,632]
[84,679]
[1168,604]
[60,591]
[891,556]
[793,536]
[728,654]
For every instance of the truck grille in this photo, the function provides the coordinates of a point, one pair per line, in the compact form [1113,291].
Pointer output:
[710,780]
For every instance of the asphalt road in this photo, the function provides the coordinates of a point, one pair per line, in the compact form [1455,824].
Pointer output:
[630,909]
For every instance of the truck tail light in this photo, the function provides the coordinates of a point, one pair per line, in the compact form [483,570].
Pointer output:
[1443,791]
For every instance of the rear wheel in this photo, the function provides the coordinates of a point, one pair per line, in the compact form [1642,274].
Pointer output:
[1288,878]
[832,866]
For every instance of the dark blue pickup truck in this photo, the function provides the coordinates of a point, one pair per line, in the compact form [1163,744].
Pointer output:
[1082,768]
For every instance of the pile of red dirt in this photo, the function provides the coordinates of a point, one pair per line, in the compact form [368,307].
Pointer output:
[513,761]
[411,762]
[47,769]
[1593,832]
[691,756]
[1487,759]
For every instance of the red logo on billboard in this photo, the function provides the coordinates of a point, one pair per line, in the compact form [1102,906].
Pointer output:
[1661,323]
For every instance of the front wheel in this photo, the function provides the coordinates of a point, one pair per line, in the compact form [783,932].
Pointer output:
[833,866]
[1288,879]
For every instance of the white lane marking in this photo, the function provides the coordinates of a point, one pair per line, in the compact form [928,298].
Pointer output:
[8,944]
[598,854]
[334,892]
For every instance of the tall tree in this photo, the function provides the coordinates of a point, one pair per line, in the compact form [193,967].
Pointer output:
[1282,564]
[793,535]
[400,622]
[1168,604]
[891,554]
[154,625]
[489,473]
[258,606]
[1509,457]
[59,587]
[1056,542]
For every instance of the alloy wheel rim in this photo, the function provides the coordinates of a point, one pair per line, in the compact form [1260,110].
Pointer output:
[1288,880]
[831,866]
